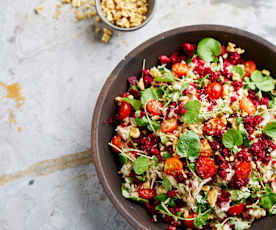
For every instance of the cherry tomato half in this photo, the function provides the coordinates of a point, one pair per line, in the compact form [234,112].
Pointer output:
[206,167]
[190,223]
[247,106]
[124,110]
[214,127]
[249,67]
[215,90]
[180,69]
[205,150]
[173,166]
[146,193]
[117,141]
[236,210]
[168,126]
[243,170]
[154,107]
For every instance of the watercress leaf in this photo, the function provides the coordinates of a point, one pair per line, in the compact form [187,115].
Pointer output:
[136,104]
[270,129]
[167,155]
[268,200]
[257,76]
[155,160]
[154,124]
[192,111]
[244,134]
[167,184]
[166,77]
[140,121]
[201,220]
[188,145]
[208,49]
[123,159]
[141,165]
[161,197]
[171,203]
[238,69]
[127,194]
[148,94]
[232,138]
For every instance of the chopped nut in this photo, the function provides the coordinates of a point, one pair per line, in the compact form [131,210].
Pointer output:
[105,38]
[231,47]
[118,99]
[225,56]
[266,72]
[39,9]
[79,15]
[140,84]
[240,51]
[236,76]
[155,117]
[134,132]
[91,14]
[98,30]
[212,196]
[206,188]
[154,72]
[107,31]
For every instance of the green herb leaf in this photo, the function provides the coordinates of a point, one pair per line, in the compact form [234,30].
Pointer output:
[232,138]
[201,220]
[268,200]
[147,95]
[270,129]
[128,195]
[208,49]
[136,104]
[192,111]
[238,70]
[188,145]
[264,83]
[244,134]
[167,155]
[171,203]
[154,124]
[140,121]
[167,184]
[141,165]
[123,159]
[166,77]
[161,197]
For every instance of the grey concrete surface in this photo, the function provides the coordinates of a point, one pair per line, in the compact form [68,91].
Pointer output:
[61,69]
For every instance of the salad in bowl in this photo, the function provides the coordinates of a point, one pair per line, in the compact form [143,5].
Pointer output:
[195,136]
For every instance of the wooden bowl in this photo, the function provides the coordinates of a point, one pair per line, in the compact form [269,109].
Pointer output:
[258,49]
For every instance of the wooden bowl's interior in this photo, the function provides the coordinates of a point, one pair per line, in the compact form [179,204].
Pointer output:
[263,53]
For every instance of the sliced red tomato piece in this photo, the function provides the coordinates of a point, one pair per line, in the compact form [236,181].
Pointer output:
[243,170]
[180,69]
[206,167]
[154,107]
[205,150]
[173,166]
[190,223]
[168,126]
[247,106]
[236,210]
[215,90]
[124,110]
[214,127]
[146,193]
[117,141]
[249,67]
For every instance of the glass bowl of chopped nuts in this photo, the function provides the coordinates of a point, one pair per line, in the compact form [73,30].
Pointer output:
[128,15]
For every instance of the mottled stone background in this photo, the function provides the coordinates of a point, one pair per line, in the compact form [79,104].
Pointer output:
[47,178]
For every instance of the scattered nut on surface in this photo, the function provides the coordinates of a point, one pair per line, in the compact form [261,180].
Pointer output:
[91,14]
[125,14]
[266,72]
[79,15]
[134,132]
[39,9]
[212,197]
[98,19]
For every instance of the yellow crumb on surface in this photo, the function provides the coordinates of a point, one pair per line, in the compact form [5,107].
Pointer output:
[98,19]
[39,9]
[79,15]
[65,1]
[11,117]
[14,93]
[57,14]
[98,30]
[19,129]
[76,3]
[91,14]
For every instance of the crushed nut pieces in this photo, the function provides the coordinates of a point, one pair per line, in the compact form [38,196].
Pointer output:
[125,13]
